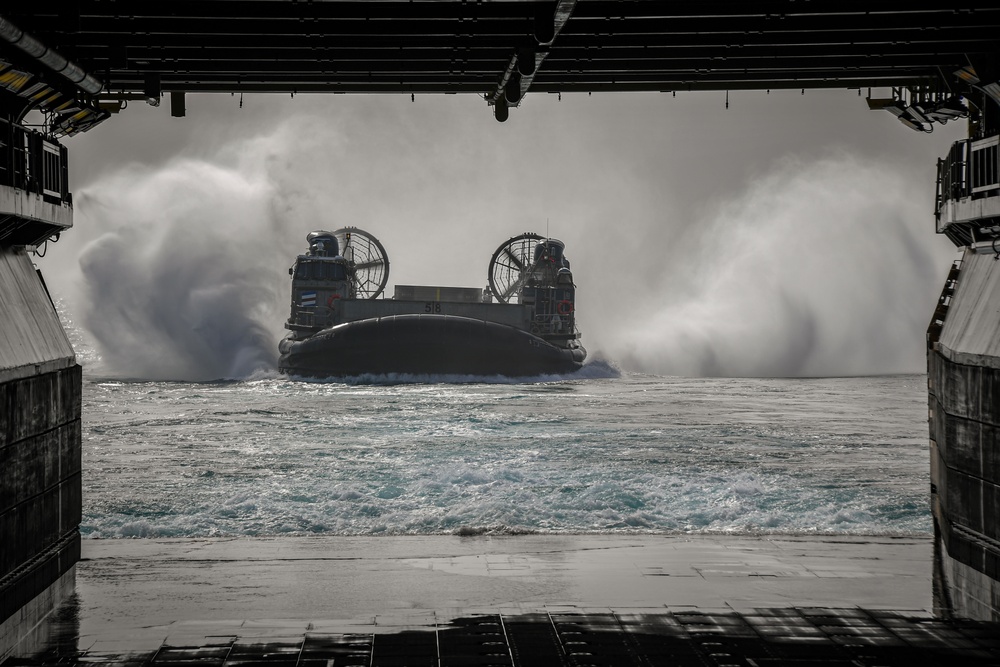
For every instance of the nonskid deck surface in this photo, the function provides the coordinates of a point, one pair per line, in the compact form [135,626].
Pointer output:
[545,600]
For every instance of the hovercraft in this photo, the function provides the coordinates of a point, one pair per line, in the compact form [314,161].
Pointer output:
[522,324]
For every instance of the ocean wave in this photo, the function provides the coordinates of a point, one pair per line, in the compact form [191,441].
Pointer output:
[634,454]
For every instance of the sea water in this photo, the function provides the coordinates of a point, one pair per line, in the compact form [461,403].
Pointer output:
[600,451]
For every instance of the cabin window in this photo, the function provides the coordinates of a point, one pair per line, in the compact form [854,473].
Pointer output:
[320,271]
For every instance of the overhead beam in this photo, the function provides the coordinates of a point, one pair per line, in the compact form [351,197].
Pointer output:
[526,61]
[503,50]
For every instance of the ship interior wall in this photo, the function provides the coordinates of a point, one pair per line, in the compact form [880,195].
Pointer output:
[964,410]
[40,454]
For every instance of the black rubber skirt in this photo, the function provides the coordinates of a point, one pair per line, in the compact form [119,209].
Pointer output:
[425,345]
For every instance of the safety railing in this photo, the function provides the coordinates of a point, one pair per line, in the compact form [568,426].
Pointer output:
[550,325]
[952,176]
[983,165]
[32,163]
[971,169]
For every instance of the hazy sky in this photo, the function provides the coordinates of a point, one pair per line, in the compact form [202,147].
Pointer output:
[789,234]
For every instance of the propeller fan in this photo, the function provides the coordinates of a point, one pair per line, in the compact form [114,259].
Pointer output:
[367,261]
[512,264]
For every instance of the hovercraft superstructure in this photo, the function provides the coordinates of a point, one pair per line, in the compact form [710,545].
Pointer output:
[523,324]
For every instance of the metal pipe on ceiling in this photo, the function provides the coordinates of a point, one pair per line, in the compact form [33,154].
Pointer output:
[50,57]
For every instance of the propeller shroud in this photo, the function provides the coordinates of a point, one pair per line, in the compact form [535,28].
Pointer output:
[367,261]
[511,265]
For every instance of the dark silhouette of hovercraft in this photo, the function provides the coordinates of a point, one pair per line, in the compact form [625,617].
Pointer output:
[523,324]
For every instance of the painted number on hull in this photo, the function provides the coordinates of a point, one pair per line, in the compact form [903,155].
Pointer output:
[432,307]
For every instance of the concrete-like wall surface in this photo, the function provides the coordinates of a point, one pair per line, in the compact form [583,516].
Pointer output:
[964,402]
[970,331]
[26,632]
[32,339]
[965,478]
[28,207]
[40,487]
[40,452]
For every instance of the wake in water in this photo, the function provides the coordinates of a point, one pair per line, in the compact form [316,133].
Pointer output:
[629,454]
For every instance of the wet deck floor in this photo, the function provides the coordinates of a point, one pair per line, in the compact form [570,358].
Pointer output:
[528,600]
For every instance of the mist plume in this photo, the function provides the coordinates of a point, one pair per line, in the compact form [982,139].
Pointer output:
[687,261]
[821,268]
[176,286]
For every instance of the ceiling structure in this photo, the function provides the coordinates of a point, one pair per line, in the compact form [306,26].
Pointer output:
[505,49]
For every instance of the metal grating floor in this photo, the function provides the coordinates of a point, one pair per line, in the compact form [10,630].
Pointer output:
[798,637]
